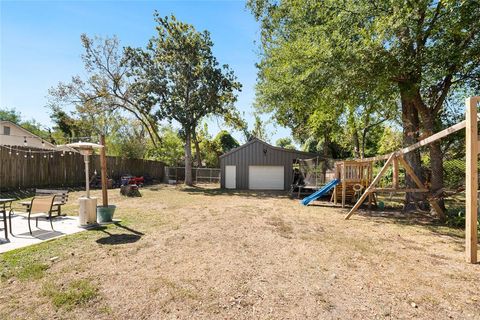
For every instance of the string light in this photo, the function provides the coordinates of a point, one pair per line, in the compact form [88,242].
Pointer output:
[25,141]
[30,152]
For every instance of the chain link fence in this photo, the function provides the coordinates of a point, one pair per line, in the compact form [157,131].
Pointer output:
[174,175]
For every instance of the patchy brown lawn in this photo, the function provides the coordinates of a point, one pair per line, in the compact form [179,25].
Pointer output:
[206,254]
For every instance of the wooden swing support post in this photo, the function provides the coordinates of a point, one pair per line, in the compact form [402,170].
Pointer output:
[103,171]
[471,180]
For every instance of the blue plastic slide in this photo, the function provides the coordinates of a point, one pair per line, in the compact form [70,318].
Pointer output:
[306,201]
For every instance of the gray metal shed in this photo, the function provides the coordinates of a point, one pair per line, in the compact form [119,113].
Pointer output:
[256,165]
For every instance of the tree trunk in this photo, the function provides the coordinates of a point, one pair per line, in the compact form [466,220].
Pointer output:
[428,117]
[364,141]
[436,163]
[355,137]
[356,144]
[411,126]
[197,149]
[326,146]
[188,158]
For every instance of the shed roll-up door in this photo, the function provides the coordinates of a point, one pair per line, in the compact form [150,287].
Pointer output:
[266,177]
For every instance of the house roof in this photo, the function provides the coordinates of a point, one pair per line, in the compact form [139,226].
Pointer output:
[30,134]
[255,139]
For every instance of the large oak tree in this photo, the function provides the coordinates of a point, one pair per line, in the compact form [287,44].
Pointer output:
[341,51]
[180,72]
[175,77]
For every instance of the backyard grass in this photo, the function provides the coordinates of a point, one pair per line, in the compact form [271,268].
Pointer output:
[203,253]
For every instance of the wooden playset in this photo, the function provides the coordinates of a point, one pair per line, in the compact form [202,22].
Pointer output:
[354,179]
[355,176]
[396,160]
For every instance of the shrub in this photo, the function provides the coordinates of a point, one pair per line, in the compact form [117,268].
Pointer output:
[456,218]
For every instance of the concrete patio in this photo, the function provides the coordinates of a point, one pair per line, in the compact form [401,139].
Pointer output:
[21,237]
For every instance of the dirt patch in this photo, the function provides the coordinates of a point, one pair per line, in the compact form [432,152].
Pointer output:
[201,253]
[283,228]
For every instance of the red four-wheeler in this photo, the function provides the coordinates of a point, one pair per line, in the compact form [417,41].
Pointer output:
[129,179]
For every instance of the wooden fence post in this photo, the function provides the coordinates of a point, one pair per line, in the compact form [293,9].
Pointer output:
[337,176]
[471,180]
[344,184]
[103,169]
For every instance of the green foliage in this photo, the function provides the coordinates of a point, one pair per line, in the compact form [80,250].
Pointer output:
[305,86]
[36,128]
[129,140]
[390,141]
[327,64]
[125,137]
[225,141]
[76,293]
[454,173]
[456,218]
[170,150]
[212,149]
[234,119]
[210,153]
[11,115]
[32,125]
[84,122]
[286,143]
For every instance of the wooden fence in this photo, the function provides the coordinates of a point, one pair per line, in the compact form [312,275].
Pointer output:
[23,169]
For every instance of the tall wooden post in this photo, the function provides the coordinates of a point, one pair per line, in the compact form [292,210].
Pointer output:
[471,180]
[344,183]
[368,180]
[103,169]
[335,190]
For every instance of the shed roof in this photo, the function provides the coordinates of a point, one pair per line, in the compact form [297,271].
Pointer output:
[255,139]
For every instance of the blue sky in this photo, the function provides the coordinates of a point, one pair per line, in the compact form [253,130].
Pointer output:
[40,44]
